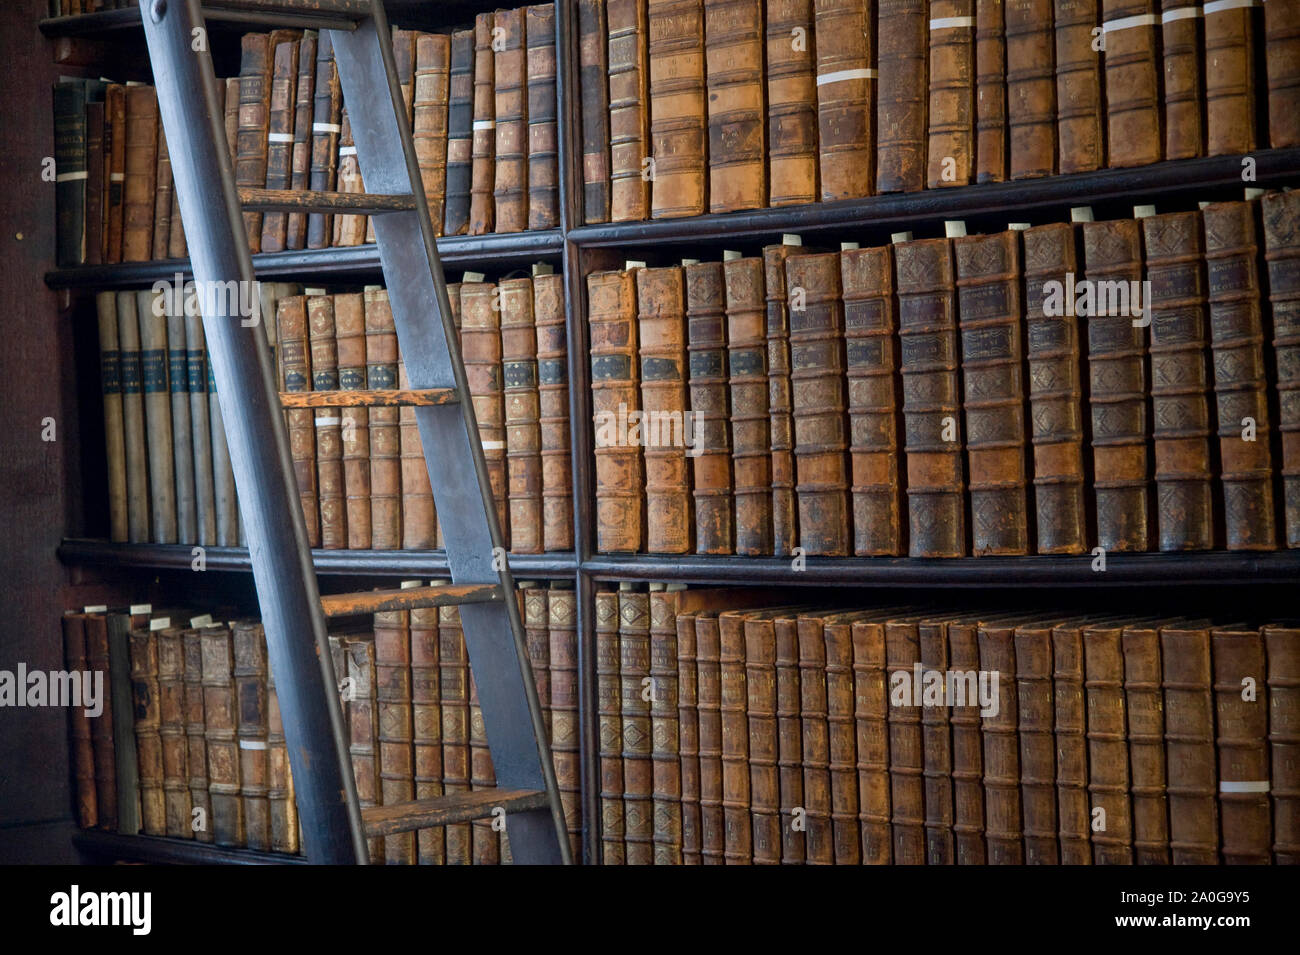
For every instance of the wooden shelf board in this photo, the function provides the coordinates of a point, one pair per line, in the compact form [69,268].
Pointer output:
[159,850]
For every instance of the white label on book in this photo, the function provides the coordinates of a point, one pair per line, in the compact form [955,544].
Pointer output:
[1127,23]
[1081,214]
[1246,786]
[898,237]
[160,623]
[408,584]
[730,255]
[631,264]
[326,128]
[279,137]
[494,445]
[849,246]
[951,23]
[789,238]
[347,151]
[1214,6]
[203,620]
[841,76]
[96,608]
[71,176]
[117,177]
[484,124]
[252,744]
[473,277]
[140,609]
[328,422]
[1182,13]
[954,228]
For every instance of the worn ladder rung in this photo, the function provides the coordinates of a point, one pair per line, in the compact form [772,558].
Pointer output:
[378,398]
[409,598]
[445,810]
[297,200]
[346,13]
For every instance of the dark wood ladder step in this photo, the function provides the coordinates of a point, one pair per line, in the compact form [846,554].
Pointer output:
[445,810]
[296,200]
[408,598]
[378,398]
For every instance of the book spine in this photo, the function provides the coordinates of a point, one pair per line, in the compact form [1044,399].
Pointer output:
[638,762]
[936,739]
[562,609]
[251,143]
[392,631]
[738,835]
[553,412]
[418,515]
[539,650]
[523,438]
[481,349]
[846,834]
[713,809]
[1282,253]
[110,378]
[453,686]
[678,118]
[280,139]
[460,133]
[871,714]
[220,709]
[196,747]
[363,743]
[780,406]
[991,90]
[429,120]
[1184,80]
[1230,49]
[1002,802]
[1074,810]
[426,727]
[792,119]
[97,183]
[543,127]
[295,363]
[610,727]
[967,751]
[593,60]
[953,75]
[1146,744]
[140,172]
[846,97]
[304,106]
[348,229]
[706,338]
[906,751]
[249,644]
[326,117]
[171,733]
[157,417]
[385,429]
[115,168]
[789,733]
[1031,89]
[196,371]
[1080,109]
[688,740]
[164,189]
[354,424]
[509,67]
[815,742]
[1282,47]
[81,741]
[1033,646]
[137,462]
[762,739]
[629,112]
[1193,782]
[117,777]
[1132,58]
[902,34]
[1241,726]
[1284,739]
[227,504]
[733,54]
[1108,746]
[280,794]
[178,386]
[751,444]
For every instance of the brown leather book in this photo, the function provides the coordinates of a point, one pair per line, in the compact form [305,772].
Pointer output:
[1034,668]
[1184,83]
[1282,642]
[460,133]
[295,365]
[953,74]
[1070,708]
[779,401]
[991,90]
[523,435]
[1282,252]
[164,189]
[354,423]
[80,742]
[993,369]
[543,129]
[96,184]
[1189,746]
[1132,55]
[637,746]
[871,715]
[792,121]
[1146,743]
[562,609]
[363,746]
[1080,109]
[157,419]
[510,64]
[967,748]
[733,36]
[429,120]
[453,687]
[483,146]
[1117,386]
[171,732]
[678,119]
[706,341]
[750,437]
[196,747]
[329,447]
[326,118]
[661,335]
[906,746]
[537,636]
[553,412]
[280,138]
[664,722]
[1282,46]
[1230,78]
[902,44]
[480,342]
[760,709]
[789,731]
[285,836]
[396,730]
[385,436]
[249,647]
[140,173]
[817,382]
[733,739]
[708,668]
[1031,90]
[426,727]
[1055,391]
[815,742]
[349,229]
[611,311]
[419,520]
[300,156]
[871,353]
[609,715]
[220,712]
[1180,408]
[1241,726]
[104,771]
[593,84]
[1108,745]
[255,68]
[936,737]
[927,328]
[846,98]
[110,377]
[846,831]
[629,110]
[1002,781]
[115,169]
[688,741]
[1240,374]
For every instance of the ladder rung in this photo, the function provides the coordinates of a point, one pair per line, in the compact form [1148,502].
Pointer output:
[297,200]
[445,810]
[303,14]
[378,398]
[410,598]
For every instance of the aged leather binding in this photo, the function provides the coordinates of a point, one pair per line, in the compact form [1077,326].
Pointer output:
[137,462]
[1132,53]
[533,597]
[815,741]
[817,366]
[1283,737]
[359,653]
[638,763]
[1241,727]
[792,153]
[780,407]
[140,172]
[511,105]
[594,93]
[220,709]
[846,832]
[396,730]
[115,169]
[751,444]
[480,340]
[610,728]
[1031,90]
[789,730]
[992,360]
[664,722]
[902,47]
[483,176]
[429,122]
[629,110]
[1070,710]
[871,716]
[295,364]
[562,609]
[733,31]
[1108,749]
[1184,96]
[522,430]
[354,423]
[1230,78]
[327,109]
[460,132]
[157,419]
[1146,743]
[1117,388]
[991,90]
[543,129]
[385,437]
[733,739]
[1034,667]
[227,504]
[1282,252]
[706,338]
[97,184]
[196,747]
[426,726]
[1240,376]
[80,742]
[489,847]
[329,447]
[940,845]
[967,748]
[103,774]
[759,654]
[661,334]
[1189,745]
[418,517]
[1001,746]
[708,668]
[688,742]
[249,647]
[906,760]
[678,120]
[110,377]
[553,412]
[304,95]
[927,328]
[1282,45]
[283,807]
[611,309]
[71,155]
[453,685]
[952,73]
[280,138]
[171,732]
[251,143]
[164,189]
[349,229]
[1080,109]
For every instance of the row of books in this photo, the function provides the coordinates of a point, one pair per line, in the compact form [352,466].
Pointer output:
[694,106]
[838,736]
[482,109]
[1129,384]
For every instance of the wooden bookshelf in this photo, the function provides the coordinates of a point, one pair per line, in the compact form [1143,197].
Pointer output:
[96,846]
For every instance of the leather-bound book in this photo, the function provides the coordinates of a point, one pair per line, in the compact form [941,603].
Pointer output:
[733,38]
[611,310]
[927,328]
[629,109]
[871,352]
[967,749]
[791,76]
[1183,83]
[779,400]
[537,636]
[157,418]
[255,80]
[522,429]
[593,88]
[354,423]
[871,716]
[936,738]
[706,339]
[1241,727]
[385,434]
[661,335]
[763,738]
[1003,829]
[1134,134]
[426,727]
[846,830]
[1080,109]
[349,229]
[326,117]
[511,111]
[902,46]
[638,763]
[295,365]
[1070,709]
[1282,49]
[733,700]
[1117,390]
[196,747]
[280,138]
[1031,90]
[80,742]
[1034,666]
[952,74]
[1179,380]
[1144,697]
[300,155]
[178,386]
[418,516]
[429,119]
[815,741]
[664,723]
[285,831]
[1230,78]
[1108,745]
[453,686]
[137,461]
[906,746]
[609,716]
[329,443]
[249,644]
[392,630]
[115,169]
[460,133]
[993,368]
[196,370]
[543,129]
[164,189]
[110,377]
[750,438]
[1055,392]
[688,741]
[708,670]
[845,99]
[140,173]
[817,382]
[789,732]
[553,412]
[991,90]
[1193,782]
[171,732]
[678,117]
[1282,252]
[1282,642]
[220,713]
[97,184]
[363,744]
[1240,375]
[404,63]
[562,609]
